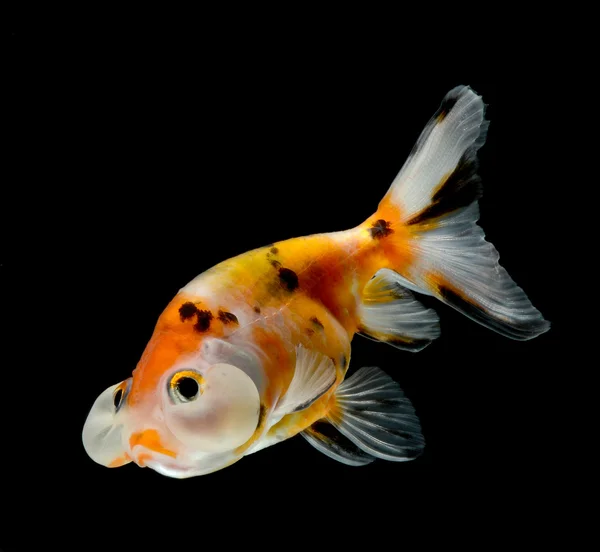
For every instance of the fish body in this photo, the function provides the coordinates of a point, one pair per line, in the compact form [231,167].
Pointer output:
[256,349]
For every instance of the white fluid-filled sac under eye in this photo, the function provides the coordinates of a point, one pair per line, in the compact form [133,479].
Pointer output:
[102,432]
[222,416]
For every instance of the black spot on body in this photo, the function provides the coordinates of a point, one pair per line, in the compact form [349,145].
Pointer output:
[203,322]
[274,263]
[459,189]
[187,310]
[380,229]
[257,309]
[317,322]
[288,279]
[343,360]
[447,104]
[227,317]
[274,250]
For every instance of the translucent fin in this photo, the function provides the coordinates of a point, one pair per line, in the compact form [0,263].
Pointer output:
[371,410]
[314,375]
[458,266]
[428,184]
[435,197]
[326,439]
[389,312]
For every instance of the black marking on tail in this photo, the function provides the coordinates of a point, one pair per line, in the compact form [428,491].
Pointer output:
[446,106]
[459,189]
[513,330]
[380,229]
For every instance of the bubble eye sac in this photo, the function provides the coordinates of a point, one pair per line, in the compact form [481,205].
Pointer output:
[102,431]
[215,411]
[185,386]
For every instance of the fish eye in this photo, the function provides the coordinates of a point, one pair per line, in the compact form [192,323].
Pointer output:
[188,388]
[117,398]
[215,411]
[103,429]
[185,386]
[120,394]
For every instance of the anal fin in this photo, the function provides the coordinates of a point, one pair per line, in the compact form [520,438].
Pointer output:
[389,312]
[326,439]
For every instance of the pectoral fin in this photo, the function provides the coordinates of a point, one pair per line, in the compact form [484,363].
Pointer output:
[314,375]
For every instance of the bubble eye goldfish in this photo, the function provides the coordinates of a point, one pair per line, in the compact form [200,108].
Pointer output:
[256,349]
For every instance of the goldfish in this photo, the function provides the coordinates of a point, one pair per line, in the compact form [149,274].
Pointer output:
[256,349]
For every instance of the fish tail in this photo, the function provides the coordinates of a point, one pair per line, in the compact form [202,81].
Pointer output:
[427,225]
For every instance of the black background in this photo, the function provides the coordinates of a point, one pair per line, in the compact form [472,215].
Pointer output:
[139,162]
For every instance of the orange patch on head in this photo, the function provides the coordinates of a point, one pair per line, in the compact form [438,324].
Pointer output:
[149,439]
[172,338]
[277,361]
[120,461]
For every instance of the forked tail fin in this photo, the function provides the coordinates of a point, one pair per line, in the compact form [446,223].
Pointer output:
[430,213]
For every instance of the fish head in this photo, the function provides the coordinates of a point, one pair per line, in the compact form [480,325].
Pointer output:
[182,415]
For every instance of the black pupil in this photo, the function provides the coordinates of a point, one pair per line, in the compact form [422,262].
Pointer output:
[117,398]
[187,387]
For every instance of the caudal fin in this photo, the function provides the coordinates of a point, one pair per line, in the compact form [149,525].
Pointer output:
[430,213]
